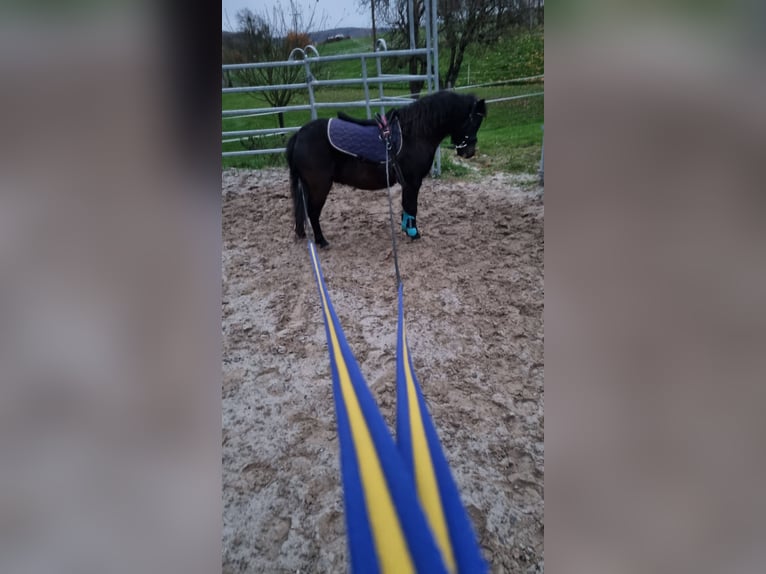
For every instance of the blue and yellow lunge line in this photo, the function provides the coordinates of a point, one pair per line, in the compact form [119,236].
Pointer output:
[402,506]
[424,458]
[387,529]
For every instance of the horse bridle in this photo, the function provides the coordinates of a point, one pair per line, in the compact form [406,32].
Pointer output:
[468,139]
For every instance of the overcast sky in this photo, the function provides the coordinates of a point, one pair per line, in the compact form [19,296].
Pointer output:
[336,13]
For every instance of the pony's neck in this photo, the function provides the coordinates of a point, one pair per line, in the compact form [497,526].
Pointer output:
[440,131]
[439,128]
[433,126]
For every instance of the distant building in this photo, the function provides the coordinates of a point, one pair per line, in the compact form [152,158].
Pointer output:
[337,38]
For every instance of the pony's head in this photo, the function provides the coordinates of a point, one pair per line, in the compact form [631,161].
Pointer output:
[464,138]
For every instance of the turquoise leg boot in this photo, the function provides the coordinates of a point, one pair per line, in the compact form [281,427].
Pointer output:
[409,226]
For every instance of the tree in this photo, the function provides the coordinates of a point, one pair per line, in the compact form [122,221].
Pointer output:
[467,22]
[401,30]
[395,14]
[462,23]
[263,38]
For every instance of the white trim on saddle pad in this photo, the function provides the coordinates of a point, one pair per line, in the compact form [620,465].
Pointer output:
[329,139]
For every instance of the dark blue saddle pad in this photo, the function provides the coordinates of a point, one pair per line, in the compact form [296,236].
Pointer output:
[364,142]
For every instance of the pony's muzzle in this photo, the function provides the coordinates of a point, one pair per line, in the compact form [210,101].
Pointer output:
[467,151]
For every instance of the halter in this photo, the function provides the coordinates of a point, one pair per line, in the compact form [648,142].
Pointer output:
[468,139]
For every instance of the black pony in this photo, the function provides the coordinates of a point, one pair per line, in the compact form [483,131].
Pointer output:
[315,163]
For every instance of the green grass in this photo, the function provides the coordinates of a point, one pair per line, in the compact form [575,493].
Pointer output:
[510,138]
[517,55]
[449,167]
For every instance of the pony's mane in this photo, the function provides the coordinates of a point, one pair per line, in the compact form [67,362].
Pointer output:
[433,115]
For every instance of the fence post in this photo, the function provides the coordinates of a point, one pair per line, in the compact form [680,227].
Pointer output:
[380,45]
[542,157]
[310,80]
[411,17]
[309,85]
[366,87]
[309,77]
[435,45]
[429,56]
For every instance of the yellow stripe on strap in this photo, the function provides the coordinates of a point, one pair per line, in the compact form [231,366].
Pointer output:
[425,478]
[391,547]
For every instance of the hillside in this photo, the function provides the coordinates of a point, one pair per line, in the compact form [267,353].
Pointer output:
[318,37]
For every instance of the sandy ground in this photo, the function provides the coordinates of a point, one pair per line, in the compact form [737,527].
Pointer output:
[473,296]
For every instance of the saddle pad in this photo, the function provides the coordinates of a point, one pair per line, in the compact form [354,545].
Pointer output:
[363,142]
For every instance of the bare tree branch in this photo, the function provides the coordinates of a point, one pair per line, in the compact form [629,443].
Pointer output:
[270,37]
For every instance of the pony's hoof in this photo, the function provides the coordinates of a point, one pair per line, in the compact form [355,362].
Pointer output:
[323,244]
[412,233]
[409,226]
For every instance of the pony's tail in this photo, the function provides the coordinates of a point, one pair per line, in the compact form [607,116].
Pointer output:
[296,189]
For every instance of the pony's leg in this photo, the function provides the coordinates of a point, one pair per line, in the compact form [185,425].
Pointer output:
[316,203]
[410,208]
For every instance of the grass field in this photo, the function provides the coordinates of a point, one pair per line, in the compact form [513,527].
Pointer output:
[510,138]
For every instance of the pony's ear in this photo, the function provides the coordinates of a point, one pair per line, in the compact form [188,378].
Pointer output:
[481,107]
